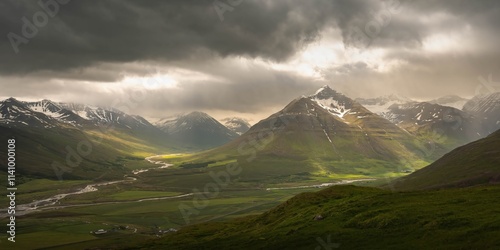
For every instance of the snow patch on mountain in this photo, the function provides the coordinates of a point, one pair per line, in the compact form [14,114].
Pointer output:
[333,106]
[332,101]
[236,124]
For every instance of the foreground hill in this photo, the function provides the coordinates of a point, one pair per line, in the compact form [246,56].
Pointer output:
[349,217]
[473,164]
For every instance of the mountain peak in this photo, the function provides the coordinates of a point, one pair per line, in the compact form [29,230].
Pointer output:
[332,101]
[197,113]
[236,124]
[11,99]
[324,90]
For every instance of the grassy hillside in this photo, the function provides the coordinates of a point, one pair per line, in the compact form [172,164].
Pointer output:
[80,154]
[473,164]
[306,140]
[357,218]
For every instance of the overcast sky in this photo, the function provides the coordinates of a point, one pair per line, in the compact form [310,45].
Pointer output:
[245,58]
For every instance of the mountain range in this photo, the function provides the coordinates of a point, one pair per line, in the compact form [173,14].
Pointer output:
[325,134]
[324,137]
[51,133]
[328,134]
[447,125]
[450,120]
[487,109]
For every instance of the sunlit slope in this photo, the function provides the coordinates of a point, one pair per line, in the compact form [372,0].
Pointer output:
[327,134]
[70,153]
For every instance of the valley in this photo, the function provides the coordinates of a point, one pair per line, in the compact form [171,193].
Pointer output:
[231,124]
[147,183]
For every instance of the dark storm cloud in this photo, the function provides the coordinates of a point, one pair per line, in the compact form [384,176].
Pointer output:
[91,42]
[84,33]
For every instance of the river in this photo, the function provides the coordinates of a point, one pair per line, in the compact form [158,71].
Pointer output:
[51,202]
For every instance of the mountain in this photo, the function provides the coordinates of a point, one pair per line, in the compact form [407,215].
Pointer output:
[237,125]
[56,111]
[86,142]
[450,101]
[476,163]
[380,105]
[446,125]
[487,109]
[196,130]
[16,113]
[325,135]
[85,115]
[109,116]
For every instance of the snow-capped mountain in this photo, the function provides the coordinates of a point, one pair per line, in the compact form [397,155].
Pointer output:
[48,130]
[435,119]
[47,113]
[326,131]
[487,109]
[100,115]
[380,105]
[336,103]
[17,113]
[450,101]
[236,124]
[346,109]
[56,111]
[196,130]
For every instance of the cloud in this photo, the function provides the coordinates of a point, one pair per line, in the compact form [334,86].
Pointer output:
[84,33]
[262,55]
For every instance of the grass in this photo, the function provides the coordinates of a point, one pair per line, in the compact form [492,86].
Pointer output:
[106,158]
[475,163]
[355,217]
[74,224]
[358,218]
[139,194]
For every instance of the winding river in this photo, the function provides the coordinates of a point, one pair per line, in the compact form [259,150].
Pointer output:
[51,202]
